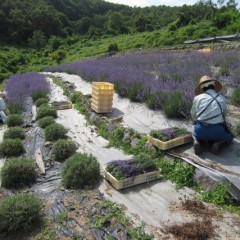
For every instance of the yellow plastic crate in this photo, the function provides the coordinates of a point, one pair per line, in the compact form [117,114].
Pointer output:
[102,103]
[132,181]
[171,143]
[102,86]
[100,96]
[101,110]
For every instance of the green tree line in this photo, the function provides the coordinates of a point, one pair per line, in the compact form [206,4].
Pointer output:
[23,21]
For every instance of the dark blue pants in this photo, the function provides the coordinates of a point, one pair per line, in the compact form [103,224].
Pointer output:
[212,133]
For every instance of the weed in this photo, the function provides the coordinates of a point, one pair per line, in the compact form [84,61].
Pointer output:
[139,233]
[60,83]
[218,195]
[179,172]
[62,217]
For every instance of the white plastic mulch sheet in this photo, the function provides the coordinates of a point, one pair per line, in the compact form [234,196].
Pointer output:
[222,168]
[150,202]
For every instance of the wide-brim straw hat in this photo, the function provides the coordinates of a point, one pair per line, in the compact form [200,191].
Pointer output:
[198,90]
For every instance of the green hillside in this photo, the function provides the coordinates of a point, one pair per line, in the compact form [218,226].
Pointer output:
[39,33]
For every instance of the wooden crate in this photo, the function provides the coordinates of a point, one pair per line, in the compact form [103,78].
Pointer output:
[128,182]
[171,143]
[62,105]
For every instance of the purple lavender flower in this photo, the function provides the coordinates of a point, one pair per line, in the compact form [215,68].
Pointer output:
[20,86]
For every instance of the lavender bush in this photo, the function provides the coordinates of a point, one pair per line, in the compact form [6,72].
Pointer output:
[153,77]
[20,86]
[168,133]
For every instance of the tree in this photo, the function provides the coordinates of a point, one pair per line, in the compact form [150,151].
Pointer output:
[38,40]
[141,22]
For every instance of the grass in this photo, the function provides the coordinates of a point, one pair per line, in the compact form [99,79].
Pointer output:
[21,59]
[59,82]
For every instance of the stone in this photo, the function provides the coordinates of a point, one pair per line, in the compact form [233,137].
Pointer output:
[110,127]
[127,136]
[134,142]
[148,147]
[203,180]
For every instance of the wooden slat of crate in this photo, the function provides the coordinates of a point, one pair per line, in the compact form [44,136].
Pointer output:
[171,143]
[128,182]
[62,106]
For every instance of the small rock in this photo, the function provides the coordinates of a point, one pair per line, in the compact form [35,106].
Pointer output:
[134,142]
[48,144]
[62,188]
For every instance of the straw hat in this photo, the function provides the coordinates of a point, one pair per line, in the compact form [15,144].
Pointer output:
[198,90]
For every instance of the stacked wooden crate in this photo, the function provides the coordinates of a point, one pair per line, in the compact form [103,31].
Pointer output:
[102,97]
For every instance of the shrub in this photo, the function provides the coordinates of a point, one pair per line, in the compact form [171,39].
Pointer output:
[63,149]
[55,131]
[45,110]
[41,101]
[80,170]
[173,105]
[113,47]
[235,98]
[14,120]
[14,109]
[45,121]
[76,97]
[18,172]
[14,132]
[19,212]
[39,94]
[11,147]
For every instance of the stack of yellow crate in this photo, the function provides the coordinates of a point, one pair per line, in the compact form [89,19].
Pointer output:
[102,97]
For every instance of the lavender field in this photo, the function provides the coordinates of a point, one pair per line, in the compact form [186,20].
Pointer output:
[20,86]
[163,80]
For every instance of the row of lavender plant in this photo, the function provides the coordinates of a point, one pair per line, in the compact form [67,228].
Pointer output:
[164,80]
[20,86]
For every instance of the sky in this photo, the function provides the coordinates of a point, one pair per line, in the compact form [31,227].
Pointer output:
[148,3]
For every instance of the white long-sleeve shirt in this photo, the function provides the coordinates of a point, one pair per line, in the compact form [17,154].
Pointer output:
[201,101]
